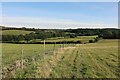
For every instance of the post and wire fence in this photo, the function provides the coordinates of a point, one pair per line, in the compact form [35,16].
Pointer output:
[22,57]
[48,49]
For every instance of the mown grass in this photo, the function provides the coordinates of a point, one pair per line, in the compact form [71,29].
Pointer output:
[15,32]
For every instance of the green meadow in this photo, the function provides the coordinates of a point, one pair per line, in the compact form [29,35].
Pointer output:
[92,60]
[15,32]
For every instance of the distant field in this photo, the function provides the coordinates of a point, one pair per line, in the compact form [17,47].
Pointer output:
[79,38]
[15,32]
[95,60]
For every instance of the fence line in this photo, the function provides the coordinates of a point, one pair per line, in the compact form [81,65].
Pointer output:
[22,57]
[34,58]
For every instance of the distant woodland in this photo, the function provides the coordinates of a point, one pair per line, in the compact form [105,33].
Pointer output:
[106,33]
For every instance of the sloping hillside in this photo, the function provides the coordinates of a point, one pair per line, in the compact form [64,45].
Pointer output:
[15,32]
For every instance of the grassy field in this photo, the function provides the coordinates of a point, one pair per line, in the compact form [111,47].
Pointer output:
[79,38]
[15,32]
[15,50]
[12,52]
[95,60]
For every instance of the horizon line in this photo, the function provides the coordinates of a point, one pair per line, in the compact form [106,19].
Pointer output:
[58,28]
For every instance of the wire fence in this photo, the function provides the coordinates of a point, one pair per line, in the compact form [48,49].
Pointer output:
[29,55]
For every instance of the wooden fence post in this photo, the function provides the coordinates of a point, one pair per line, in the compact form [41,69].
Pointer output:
[66,44]
[60,44]
[44,48]
[63,44]
[34,62]
[22,57]
[1,60]
[54,46]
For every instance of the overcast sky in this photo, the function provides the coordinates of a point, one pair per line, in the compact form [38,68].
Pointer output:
[60,14]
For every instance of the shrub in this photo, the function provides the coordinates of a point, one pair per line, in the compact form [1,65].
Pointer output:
[91,41]
[79,42]
[96,39]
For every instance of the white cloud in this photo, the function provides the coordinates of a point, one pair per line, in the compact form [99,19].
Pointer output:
[49,23]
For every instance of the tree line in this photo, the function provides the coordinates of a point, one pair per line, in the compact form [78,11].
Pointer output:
[72,33]
[109,33]
[39,34]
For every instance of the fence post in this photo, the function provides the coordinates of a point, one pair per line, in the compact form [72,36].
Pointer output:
[1,54]
[60,44]
[44,47]
[63,44]
[34,62]
[54,46]
[22,57]
[66,44]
